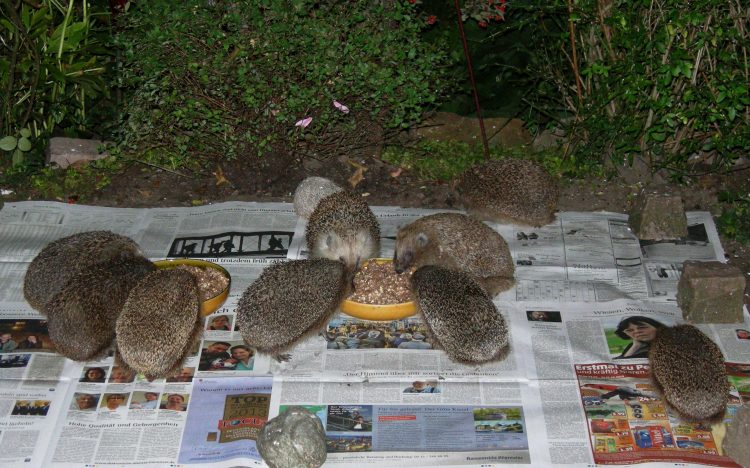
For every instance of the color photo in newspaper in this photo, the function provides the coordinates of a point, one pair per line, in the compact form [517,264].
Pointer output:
[629,423]
[365,433]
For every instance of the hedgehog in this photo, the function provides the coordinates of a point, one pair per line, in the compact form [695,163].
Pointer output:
[688,369]
[289,301]
[459,315]
[310,191]
[518,191]
[159,324]
[81,317]
[62,259]
[342,227]
[456,241]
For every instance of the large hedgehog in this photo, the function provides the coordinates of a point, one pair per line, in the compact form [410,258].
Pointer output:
[519,191]
[456,241]
[82,315]
[289,301]
[688,369]
[460,315]
[62,259]
[159,324]
[342,227]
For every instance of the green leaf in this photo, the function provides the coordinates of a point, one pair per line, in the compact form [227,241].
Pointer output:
[25,132]
[731,113]
[658,136]
[8,143]
[17,157]
[24,144]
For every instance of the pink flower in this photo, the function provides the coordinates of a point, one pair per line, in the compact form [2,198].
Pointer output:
[341,107]
[432,19]
[304,122]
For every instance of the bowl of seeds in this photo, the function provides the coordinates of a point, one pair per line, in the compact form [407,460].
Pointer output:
[380,293]
[213,280]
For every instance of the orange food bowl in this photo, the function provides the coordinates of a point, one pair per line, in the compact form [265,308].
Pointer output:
[378,312]
[212,304]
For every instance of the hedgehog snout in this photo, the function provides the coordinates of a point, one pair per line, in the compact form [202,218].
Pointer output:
[402,263]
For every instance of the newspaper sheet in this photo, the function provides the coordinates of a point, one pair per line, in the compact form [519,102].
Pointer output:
[571,392]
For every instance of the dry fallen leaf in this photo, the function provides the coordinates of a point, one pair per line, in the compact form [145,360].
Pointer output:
[219,174]
[397,172]
[357,177]
[359,174]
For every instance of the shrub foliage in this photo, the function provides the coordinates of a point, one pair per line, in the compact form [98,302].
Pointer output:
[665,80]
[229,79]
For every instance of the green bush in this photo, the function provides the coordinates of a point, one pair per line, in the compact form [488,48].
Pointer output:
[229,79]
[734,221]
[52,74]
[668,84]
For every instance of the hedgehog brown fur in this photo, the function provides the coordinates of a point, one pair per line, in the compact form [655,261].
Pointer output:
[289,301]
[310,191]
[81,317]
[519,191]
[688,369]
[62,259]
[160,322]
[342,227]
[460,315]
[460,242]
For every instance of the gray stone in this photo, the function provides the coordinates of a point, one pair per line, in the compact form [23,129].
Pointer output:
[310,191]
[548,139]
[711,292]
[658,216]
[735,443]
[445,126]
[295,438]
[72,151]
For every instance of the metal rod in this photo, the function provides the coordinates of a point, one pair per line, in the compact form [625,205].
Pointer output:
[473,81]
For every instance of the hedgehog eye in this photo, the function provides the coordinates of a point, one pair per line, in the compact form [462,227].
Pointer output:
[329,241]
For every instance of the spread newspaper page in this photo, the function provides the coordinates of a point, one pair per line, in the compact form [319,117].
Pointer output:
[572,390]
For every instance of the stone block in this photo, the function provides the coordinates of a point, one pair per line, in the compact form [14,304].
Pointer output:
[72,151]
[711,292]
[658,216]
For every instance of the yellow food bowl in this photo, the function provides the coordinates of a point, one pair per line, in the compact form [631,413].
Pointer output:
[211,305]
[378,312]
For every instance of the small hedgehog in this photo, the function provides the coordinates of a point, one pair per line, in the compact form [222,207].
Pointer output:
[460,315]
[62,259]
[456,241]
[518,191]
[310,191]
[342,227]
[688,369]
[81,317]
[289,301]
[159,324]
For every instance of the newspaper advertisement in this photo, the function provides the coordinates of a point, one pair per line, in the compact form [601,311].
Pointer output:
[573,389]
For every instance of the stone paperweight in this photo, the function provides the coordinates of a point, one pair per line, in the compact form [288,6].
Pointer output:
[711,292]
[735,443]
[658,216]
[295,438]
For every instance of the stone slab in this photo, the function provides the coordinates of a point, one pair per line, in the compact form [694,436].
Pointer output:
[711,292]
[65,152]
[658,216]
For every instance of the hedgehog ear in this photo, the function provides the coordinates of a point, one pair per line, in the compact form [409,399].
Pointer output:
[422,239]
